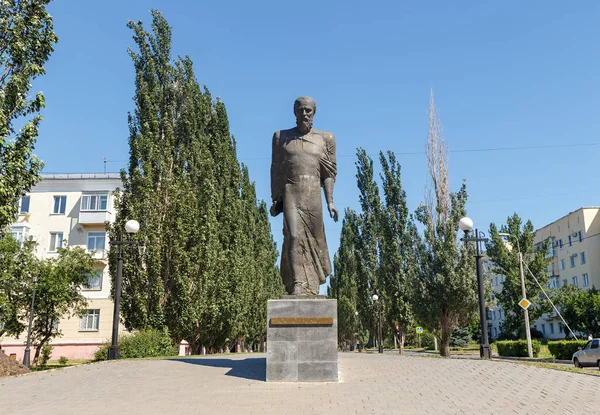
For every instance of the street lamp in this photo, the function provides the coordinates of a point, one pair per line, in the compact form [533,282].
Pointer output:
[527,327]
[131,227]
[466,224]
[375,299]
[27,353]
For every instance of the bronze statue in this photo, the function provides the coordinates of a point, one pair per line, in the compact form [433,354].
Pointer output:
[303,160]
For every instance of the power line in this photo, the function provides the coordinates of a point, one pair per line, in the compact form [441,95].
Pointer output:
[472,150]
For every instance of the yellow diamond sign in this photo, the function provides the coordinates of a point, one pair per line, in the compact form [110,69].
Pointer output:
[525,303]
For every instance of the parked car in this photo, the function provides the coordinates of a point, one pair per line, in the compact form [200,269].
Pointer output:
[589,355]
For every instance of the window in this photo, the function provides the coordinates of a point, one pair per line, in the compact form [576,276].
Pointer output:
[19,233]
[494,315]
[572,261]
[60,203]
[580,234]
[94,202]
[95,281]
[586,280]
[564,282]
[582,256]
[553,269]
[96,241]
[89,320]
[561,329]
[560,244]
[496,282]
[551,328]
[543,328]
[500,314]
[503,278]
[495,332]
[570,241]
[562,264]
[56,241]
[575,280]
[595,344]
[24,204]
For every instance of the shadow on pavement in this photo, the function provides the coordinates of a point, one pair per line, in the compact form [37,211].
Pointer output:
[253,368]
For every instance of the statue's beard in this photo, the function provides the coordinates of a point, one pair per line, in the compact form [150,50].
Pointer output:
[304,125]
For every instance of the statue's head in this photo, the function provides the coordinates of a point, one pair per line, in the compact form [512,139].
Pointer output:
[304,110]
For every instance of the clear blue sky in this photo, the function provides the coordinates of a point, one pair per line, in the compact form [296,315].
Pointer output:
[505,74]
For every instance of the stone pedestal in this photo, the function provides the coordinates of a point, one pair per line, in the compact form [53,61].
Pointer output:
[302,340]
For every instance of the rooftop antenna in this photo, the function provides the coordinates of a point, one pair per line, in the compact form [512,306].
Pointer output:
[105,165]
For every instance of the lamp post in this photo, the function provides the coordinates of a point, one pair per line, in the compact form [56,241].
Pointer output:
[27,353]
[523,292]
[131,227]
[466,224]
[375,299]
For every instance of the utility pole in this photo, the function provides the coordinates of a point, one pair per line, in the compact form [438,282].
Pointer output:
[527,329]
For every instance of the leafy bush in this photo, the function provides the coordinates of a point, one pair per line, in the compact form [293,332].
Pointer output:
[564,349]
[143,343]
[517,348]
[63,360]
[45,354]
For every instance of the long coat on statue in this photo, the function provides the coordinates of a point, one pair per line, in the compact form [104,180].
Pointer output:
[300,164]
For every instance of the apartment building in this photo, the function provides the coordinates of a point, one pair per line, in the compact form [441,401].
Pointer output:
[575,260]
[71,209]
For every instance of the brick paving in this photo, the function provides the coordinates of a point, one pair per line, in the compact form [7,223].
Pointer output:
[370,384]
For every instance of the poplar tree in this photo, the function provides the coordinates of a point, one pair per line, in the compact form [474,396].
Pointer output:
[445,286]
[396,255]
[27,39]
[207,239]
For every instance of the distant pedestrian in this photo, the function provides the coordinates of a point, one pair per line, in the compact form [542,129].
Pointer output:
[590,337]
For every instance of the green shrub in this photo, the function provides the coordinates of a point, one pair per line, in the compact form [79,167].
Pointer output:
[564,349]
[517,348]
[143,343]
[45,354]
[63,360]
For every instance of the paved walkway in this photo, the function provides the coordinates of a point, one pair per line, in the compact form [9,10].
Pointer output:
[371,384]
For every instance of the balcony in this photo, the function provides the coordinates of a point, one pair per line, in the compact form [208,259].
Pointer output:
[94,217]
[99,254]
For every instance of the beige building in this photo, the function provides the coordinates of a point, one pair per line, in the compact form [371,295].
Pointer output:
[71,209]
[575,253]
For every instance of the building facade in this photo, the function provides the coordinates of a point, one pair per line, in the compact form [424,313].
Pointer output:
[71,209]
[575,260]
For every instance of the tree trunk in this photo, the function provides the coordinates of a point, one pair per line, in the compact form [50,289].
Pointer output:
[238,346]
[262,344]
[445,340]
[401,339]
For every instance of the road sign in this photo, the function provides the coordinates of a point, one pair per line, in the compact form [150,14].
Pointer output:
[419,330]
[524,303]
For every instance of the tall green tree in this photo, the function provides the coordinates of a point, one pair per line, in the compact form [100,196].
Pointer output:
[504,255]
[343,284]
[395,255]
[27,39]
[445,286]
[369,226]
[204,231]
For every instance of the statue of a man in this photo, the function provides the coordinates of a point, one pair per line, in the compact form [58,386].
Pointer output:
[303,161]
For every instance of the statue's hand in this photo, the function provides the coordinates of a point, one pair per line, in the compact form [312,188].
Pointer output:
[276,208]
[333,212]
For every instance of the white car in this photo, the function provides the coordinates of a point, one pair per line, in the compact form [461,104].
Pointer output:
[589,355]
